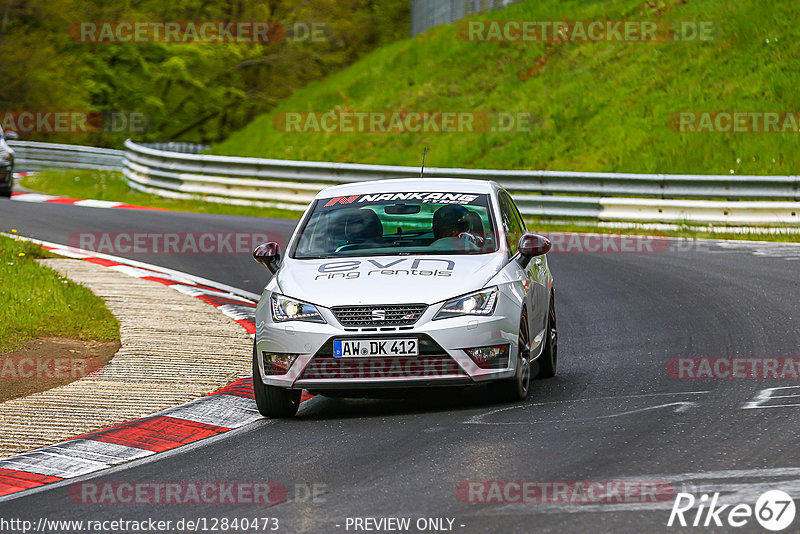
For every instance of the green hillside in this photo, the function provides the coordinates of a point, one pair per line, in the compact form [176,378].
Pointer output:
[594,106]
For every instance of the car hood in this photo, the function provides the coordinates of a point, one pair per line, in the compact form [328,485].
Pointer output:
[387,279]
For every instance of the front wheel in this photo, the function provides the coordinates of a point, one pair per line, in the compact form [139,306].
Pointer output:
[518,387]
[273,401]
[548,361]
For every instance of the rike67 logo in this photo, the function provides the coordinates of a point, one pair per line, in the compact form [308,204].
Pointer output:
[774,510]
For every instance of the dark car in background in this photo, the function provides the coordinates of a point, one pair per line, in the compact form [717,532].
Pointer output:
[6,164]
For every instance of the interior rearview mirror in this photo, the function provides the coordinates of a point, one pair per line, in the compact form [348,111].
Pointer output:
[402,209]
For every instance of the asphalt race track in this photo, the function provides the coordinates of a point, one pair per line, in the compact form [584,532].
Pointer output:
[613,413]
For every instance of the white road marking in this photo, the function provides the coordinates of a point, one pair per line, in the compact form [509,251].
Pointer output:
[69,252]
[766,395]
[227,411]
[731,484]
[193,291]
[680,407]
[787,251]
[90,203]
[135,272]
[99,451]
[52,462]
[33,197]
[478,419]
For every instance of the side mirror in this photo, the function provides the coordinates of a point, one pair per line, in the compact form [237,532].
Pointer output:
[531,245]
[11,136]
[269,255]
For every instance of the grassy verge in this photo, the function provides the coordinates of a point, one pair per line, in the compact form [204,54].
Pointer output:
[110,185]
[38,302]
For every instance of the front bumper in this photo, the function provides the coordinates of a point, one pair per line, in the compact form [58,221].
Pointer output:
[442,360]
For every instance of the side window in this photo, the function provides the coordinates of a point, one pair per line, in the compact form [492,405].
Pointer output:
[518,215]
[512,223]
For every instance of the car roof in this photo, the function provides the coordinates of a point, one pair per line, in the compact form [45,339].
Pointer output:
[404,185]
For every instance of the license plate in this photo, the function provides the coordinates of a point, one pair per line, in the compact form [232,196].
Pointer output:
[364,348]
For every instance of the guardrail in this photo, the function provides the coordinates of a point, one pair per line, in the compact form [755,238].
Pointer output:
[727,200]
[663,198]
[178,146]
[30,155]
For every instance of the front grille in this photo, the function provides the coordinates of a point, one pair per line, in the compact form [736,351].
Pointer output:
[394,315]
[432,362]
[381,367]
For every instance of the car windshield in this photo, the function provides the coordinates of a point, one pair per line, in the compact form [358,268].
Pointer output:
[402,223]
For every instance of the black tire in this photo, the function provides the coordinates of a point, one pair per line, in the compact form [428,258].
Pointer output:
[6,188]
[518,387]
[272,401]
[548,361]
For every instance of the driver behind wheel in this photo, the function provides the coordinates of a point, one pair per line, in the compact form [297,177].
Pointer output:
[453,222]
[356,228]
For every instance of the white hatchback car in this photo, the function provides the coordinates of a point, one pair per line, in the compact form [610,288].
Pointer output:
[404,283]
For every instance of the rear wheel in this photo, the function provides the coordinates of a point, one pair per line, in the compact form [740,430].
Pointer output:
[548,361]
[5,189]
[518,387]
[273,401]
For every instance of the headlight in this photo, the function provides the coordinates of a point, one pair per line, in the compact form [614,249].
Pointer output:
[5,156]
[286,309]
[479,303]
